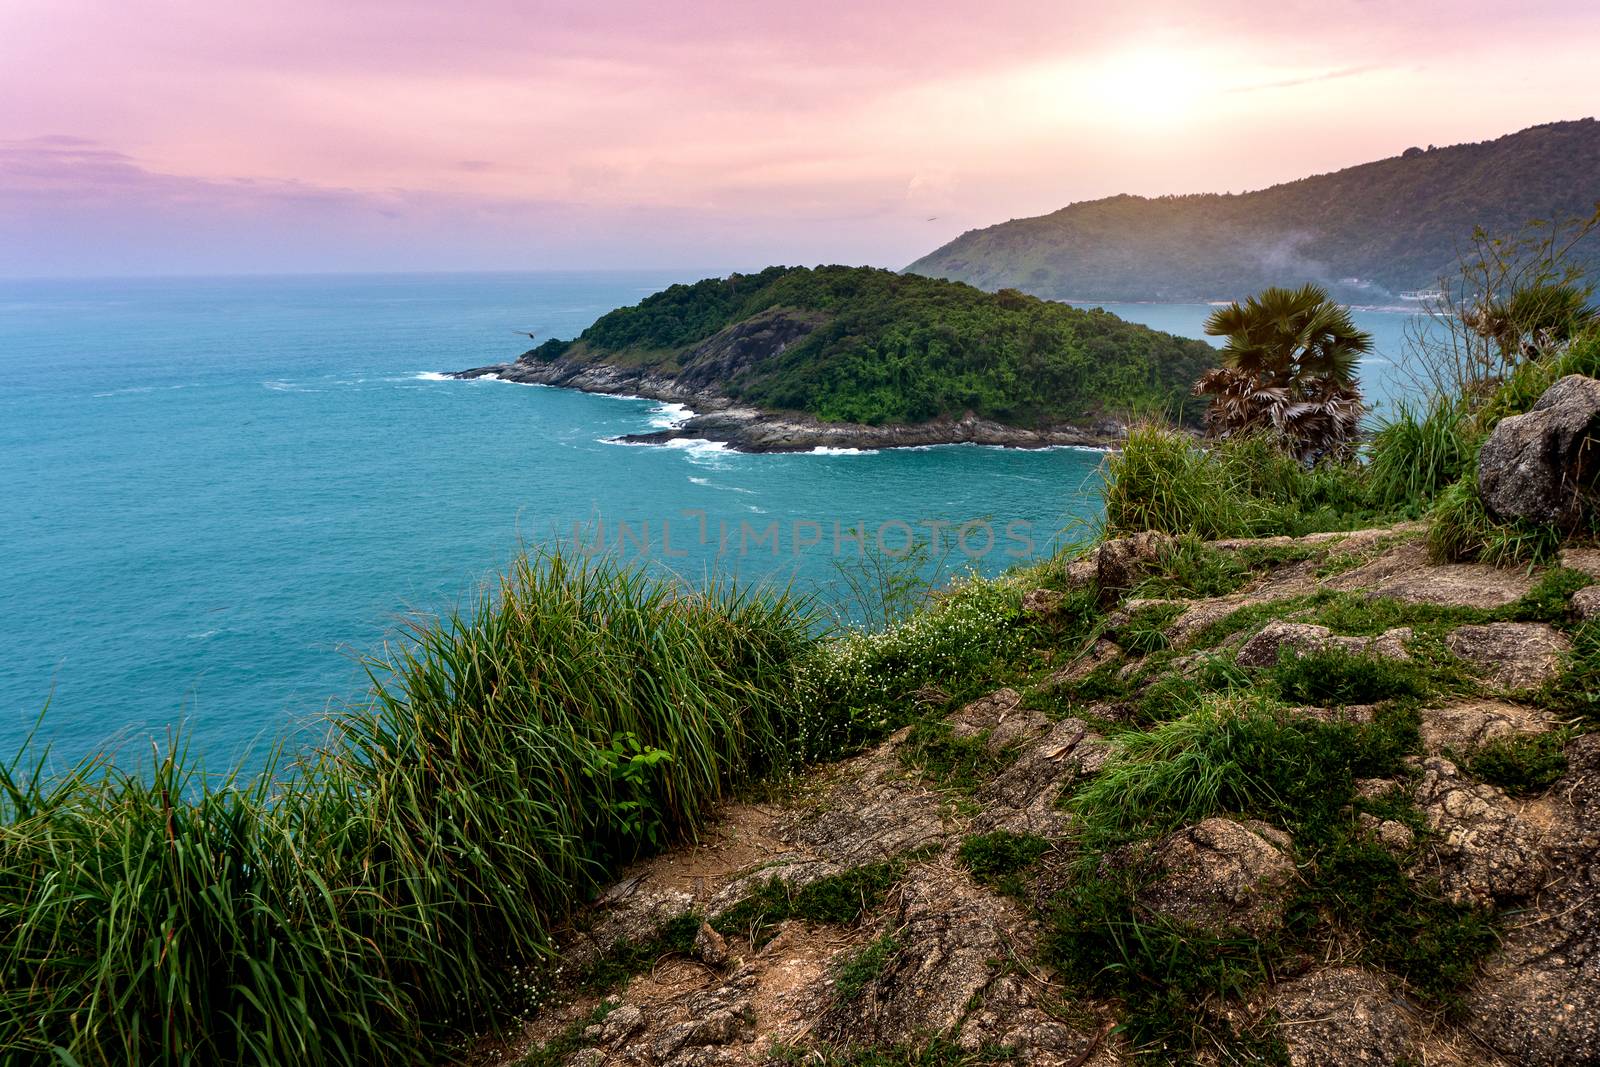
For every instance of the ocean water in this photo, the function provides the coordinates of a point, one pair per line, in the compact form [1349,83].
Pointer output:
[217,494]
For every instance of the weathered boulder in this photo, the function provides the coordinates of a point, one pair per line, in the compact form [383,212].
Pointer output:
[1390,833]
[873,811]
[1586,603]
[1120,562]
[1012,1017]
[1091,659]
[1540,466]
[1042,603]
[1481,851]
[1586,560]
[1000,716]
[1342,1016]
[1262,650]
[1512,655]
[710,947]
[1221,874]
[724,1015]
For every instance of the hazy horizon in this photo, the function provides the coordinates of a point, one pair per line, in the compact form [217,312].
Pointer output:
[301,138]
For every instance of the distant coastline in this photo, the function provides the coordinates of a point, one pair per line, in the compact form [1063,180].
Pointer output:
[744,428]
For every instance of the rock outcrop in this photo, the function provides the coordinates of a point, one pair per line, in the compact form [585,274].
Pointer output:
[1540,466]
[1511,655]
[1221,874]
[952,955]
[1299,638]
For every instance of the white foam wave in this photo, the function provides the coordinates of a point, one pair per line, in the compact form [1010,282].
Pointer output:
[824,450]
[666,416]
[695,444]
[430,376]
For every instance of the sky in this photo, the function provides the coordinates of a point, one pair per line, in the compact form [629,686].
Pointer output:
[197,136]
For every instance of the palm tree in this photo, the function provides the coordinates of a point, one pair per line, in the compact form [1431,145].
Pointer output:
[1289,369]
[1533,318]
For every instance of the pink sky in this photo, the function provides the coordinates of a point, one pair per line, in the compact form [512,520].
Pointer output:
[179,136]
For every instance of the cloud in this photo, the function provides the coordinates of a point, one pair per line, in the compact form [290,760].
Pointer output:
[1310,79]
[556,132]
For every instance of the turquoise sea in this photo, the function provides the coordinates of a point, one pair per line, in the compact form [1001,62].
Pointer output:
[215,493]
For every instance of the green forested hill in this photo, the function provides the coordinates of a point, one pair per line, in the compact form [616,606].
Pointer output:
[1396,224]
[858,344]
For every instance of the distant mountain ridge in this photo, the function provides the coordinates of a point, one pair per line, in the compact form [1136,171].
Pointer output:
[1396,224]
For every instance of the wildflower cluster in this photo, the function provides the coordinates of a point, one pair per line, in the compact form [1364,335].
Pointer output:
[860,685]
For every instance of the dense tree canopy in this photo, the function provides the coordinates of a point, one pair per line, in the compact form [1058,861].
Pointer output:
[886,347]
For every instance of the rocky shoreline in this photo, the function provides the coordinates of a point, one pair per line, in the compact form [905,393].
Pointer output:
[747,429]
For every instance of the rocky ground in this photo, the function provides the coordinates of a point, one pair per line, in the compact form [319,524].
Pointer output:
[856,914]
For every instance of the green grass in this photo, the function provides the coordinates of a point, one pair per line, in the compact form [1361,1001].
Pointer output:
[860,686]
[369,902]
[1191,568]
[838,899]
[963,764]
[629,957]
[1432,945]
[1238,754]
[1164,972]
[1460,529]
[1000,859]
[1243,757]
[1145,630]
[1575,692]
[863,967]
[1336,678]
[1173,696]
[1164,480]
[1417,453]
[553,1052]
[1523,765]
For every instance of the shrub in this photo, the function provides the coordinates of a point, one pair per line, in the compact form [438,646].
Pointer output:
[1164,480]
[1235,754]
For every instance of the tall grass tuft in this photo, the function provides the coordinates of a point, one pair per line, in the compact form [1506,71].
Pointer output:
[367,903]
[1418,453]
[1163,479]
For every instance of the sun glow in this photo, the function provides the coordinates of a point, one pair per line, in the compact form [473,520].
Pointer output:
[1153,86]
